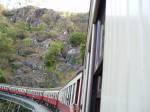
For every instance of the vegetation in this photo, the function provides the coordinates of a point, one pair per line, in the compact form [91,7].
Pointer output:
[27,41]
[54,51]
[77,38]
[2,78]
[82,50]
[27,37]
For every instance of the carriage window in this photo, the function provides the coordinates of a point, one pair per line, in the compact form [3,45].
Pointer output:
[98,44]
[73,93]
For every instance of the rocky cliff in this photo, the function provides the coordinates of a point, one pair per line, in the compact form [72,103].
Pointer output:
[36,30]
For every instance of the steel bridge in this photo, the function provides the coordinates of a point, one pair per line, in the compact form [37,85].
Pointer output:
[15,103]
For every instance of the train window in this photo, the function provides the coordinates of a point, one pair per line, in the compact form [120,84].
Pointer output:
[73,92]
[101,42]
[99,87]
[98,44]
[77,91]
[70,94]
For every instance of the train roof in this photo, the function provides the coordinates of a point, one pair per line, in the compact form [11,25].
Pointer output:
[40,89]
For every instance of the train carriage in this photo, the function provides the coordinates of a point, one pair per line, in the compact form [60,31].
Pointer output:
[69,96]
[4,87]
[35,93]
[17,90]
[51,97]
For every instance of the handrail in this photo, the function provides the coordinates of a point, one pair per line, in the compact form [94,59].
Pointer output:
[25,102]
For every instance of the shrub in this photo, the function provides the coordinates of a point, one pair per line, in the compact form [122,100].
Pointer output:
[77,38]
[12,33]
[6,47]
[2,78]
[53,34]
[27,41]
[7,13]
[3,27]
[52,54]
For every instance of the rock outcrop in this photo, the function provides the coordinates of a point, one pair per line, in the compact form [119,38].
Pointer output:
[29,69]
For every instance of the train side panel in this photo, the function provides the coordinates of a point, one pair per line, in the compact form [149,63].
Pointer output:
[51,97]
[126,75]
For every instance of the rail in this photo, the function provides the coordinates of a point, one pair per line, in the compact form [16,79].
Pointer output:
[25,102]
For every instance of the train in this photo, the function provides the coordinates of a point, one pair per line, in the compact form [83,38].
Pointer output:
[64,99]
[117,58]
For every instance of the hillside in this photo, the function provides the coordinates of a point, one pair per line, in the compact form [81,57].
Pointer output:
[40,47]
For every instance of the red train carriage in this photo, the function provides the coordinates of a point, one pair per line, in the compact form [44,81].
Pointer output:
[69,96]
[4,87]
[17,90]
[51,97]
[35,94]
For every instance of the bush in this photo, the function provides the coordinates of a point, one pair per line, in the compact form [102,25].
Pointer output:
[27,41]
[3,27]
[7,13]
[52,54]
[6,47]
[77,38]
[2,78]
[53,34]
[12,33]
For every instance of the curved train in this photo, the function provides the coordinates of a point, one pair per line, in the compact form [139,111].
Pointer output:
[64,99]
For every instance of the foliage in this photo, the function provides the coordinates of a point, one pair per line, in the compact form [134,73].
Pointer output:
[6,45]
[7,13]
[52,54]
[20,25]
[82,50]
[38,28]
[27,41]
[77,38]
[12,33]
[8,30]
[80,20]
[3,27]
[2,78]
[53,34]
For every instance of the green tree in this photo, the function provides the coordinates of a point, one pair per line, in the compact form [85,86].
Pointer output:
[77,38]
[50,58]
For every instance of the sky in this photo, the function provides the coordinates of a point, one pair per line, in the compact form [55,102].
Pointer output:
[58,5]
